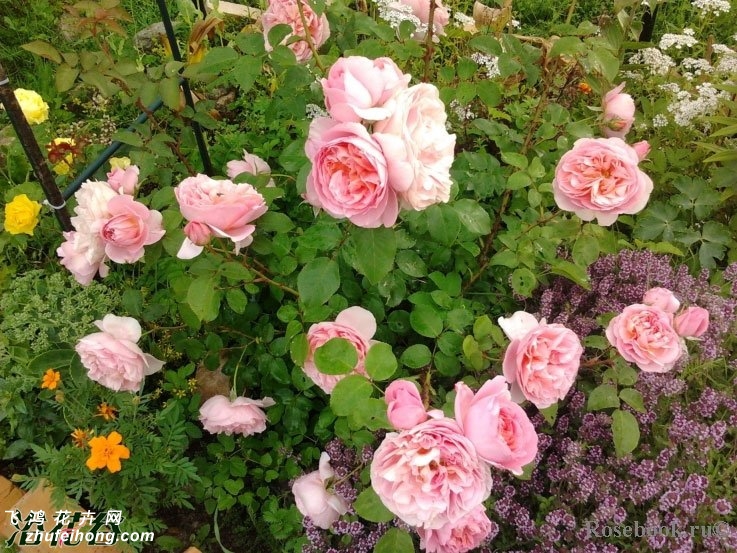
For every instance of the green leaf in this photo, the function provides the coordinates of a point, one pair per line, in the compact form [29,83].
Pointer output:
[633,398]
[169,92]
[380,361]
[43,49]
[523,281]
[237,300]
[375,251]
[576,273]
[318,281]
[132,301]
[514,159]
[128,137]
[505,257]
[204,298]
[566,46]
[298,349]
[416,356]
[65,77]
[473,216]
[550,413]
[603,397]
[426,321]
[395,541]
[368,506]
[585,250]
[245,72]
[411,264]
[443,223]
[54,359]
[626,375]
[518,180]
[336,356]
[348,392]
[626,432]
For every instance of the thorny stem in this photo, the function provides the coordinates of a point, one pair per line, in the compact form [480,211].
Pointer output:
[173,146]
[426,379]
[262,276]
[308,38]
[429,44]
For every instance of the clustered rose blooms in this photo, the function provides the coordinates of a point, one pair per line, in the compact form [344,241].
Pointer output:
[217,208]
[107,226]
[286,12]
[618,112]
[123,176]
[112,357]
[313,498]
[355,324]
[600,179]
[542,360]
[242,415]
[251,164]
[384,146]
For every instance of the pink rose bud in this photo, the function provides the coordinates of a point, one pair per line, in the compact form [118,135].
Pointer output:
[661,298]
[692,322]
[619,113]
[314,500]
[198,233]
[642,148]
[124,181]
[405,409]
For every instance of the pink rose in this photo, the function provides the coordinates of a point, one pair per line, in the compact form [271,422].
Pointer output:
[112,357]
[358,88]
[355,324]
[460,537]
[541,361]
[124,181]
[430,476]
[226,208]
[599,178]
[131,226]
[644,335]
[349,177]
[405,409]
[692,322]
[662,298]
[239,416]
[314,500]
[642,148]
[418,149]
[74,259]
[251,164]
[499,428]
[619,112]
[421,10]
[198,233]
[286,12]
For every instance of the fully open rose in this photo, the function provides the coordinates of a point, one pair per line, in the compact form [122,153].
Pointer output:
[239,416]
[313,498]
[286,12]
[460,537]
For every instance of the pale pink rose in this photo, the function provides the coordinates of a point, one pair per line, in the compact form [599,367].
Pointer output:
[131,226]
[541,362]
[619,112]
[355,324]
[642,148]
[460,537]
[77,262]
[112,357]
[349,176]
[404,405]
[251,164]
[227,209]
[421,10]
[644,335]
[662,298]
[418,149]
[692,322]
[124,181]
[430,476]
[240,416]
[313,498]
[358,88]
[198,233]
[500,429]
[286,12]
[599,178]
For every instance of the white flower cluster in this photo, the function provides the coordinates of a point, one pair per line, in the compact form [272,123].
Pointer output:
[490,63]
[671,87]
[656,61]
[715,7]
[693,67]
[313,111]
[686,109]
[727,62]
[463,113]
[396,12]
[462,19]
[686,40]
[660,120]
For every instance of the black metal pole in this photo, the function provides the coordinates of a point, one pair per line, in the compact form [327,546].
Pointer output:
[33,152]
[199,137]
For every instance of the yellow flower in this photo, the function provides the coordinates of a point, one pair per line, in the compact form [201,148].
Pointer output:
[21,215]
[107,451]
[107,412]
[51,379]
[34,108]
[61,154]
[120,163]
[80,437]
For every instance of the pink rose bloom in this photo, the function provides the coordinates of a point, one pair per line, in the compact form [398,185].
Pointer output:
[286,12]
[464,535]
[644,335]
[421,10]
[404,405]
[198,233]
[349,176]
[541,361]
[124,181]
[131,226]
[355,324]
[599,178]
[692,322]
[619,112]
[499,428]
[240,416]
[358,88]
[418,149]
[251,164]
[226,208]
[662,298]
[75,260]
[430,476]
[314,500]
[112,357]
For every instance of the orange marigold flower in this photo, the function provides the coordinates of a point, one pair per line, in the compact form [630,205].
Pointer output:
[584,88]
[51,379]
[80,437]
[107,451]
[107,412]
